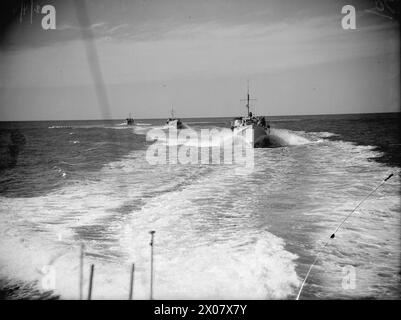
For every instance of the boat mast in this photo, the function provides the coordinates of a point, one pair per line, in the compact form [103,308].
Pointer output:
[247,102]
[248,99]
[172,112]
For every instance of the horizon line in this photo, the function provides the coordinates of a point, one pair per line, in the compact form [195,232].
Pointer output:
[214,117]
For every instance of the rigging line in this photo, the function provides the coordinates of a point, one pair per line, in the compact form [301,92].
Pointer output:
[310,269]
[333,234]
[359,204]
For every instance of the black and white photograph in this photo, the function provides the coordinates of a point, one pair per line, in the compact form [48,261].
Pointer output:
[201,150]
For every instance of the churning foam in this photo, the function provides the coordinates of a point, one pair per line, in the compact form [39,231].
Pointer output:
[218,137]
[288,138]
[189,262]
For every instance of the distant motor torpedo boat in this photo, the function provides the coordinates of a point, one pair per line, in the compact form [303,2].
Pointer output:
[174,122]
[130,120]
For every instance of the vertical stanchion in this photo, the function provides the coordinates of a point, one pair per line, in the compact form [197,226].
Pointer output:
[151,263]
[81,271]
[91,282]
[31,10]
[131,284]
[22,8]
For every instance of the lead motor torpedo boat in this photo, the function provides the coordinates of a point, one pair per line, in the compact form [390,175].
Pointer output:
[260,129]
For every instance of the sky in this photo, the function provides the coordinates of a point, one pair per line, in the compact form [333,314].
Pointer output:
[106,59]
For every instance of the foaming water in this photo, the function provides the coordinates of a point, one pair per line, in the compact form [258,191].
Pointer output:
[194,259]
[219,234]
[288,138]
[216,136]
[193,138]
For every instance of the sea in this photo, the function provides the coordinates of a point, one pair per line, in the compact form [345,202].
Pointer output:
[72,188]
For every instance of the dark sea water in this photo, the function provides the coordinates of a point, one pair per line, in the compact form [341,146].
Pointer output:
[219,234]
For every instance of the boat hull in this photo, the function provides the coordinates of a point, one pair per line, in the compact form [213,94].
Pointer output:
[175,124]
[252,133]
[258,136]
